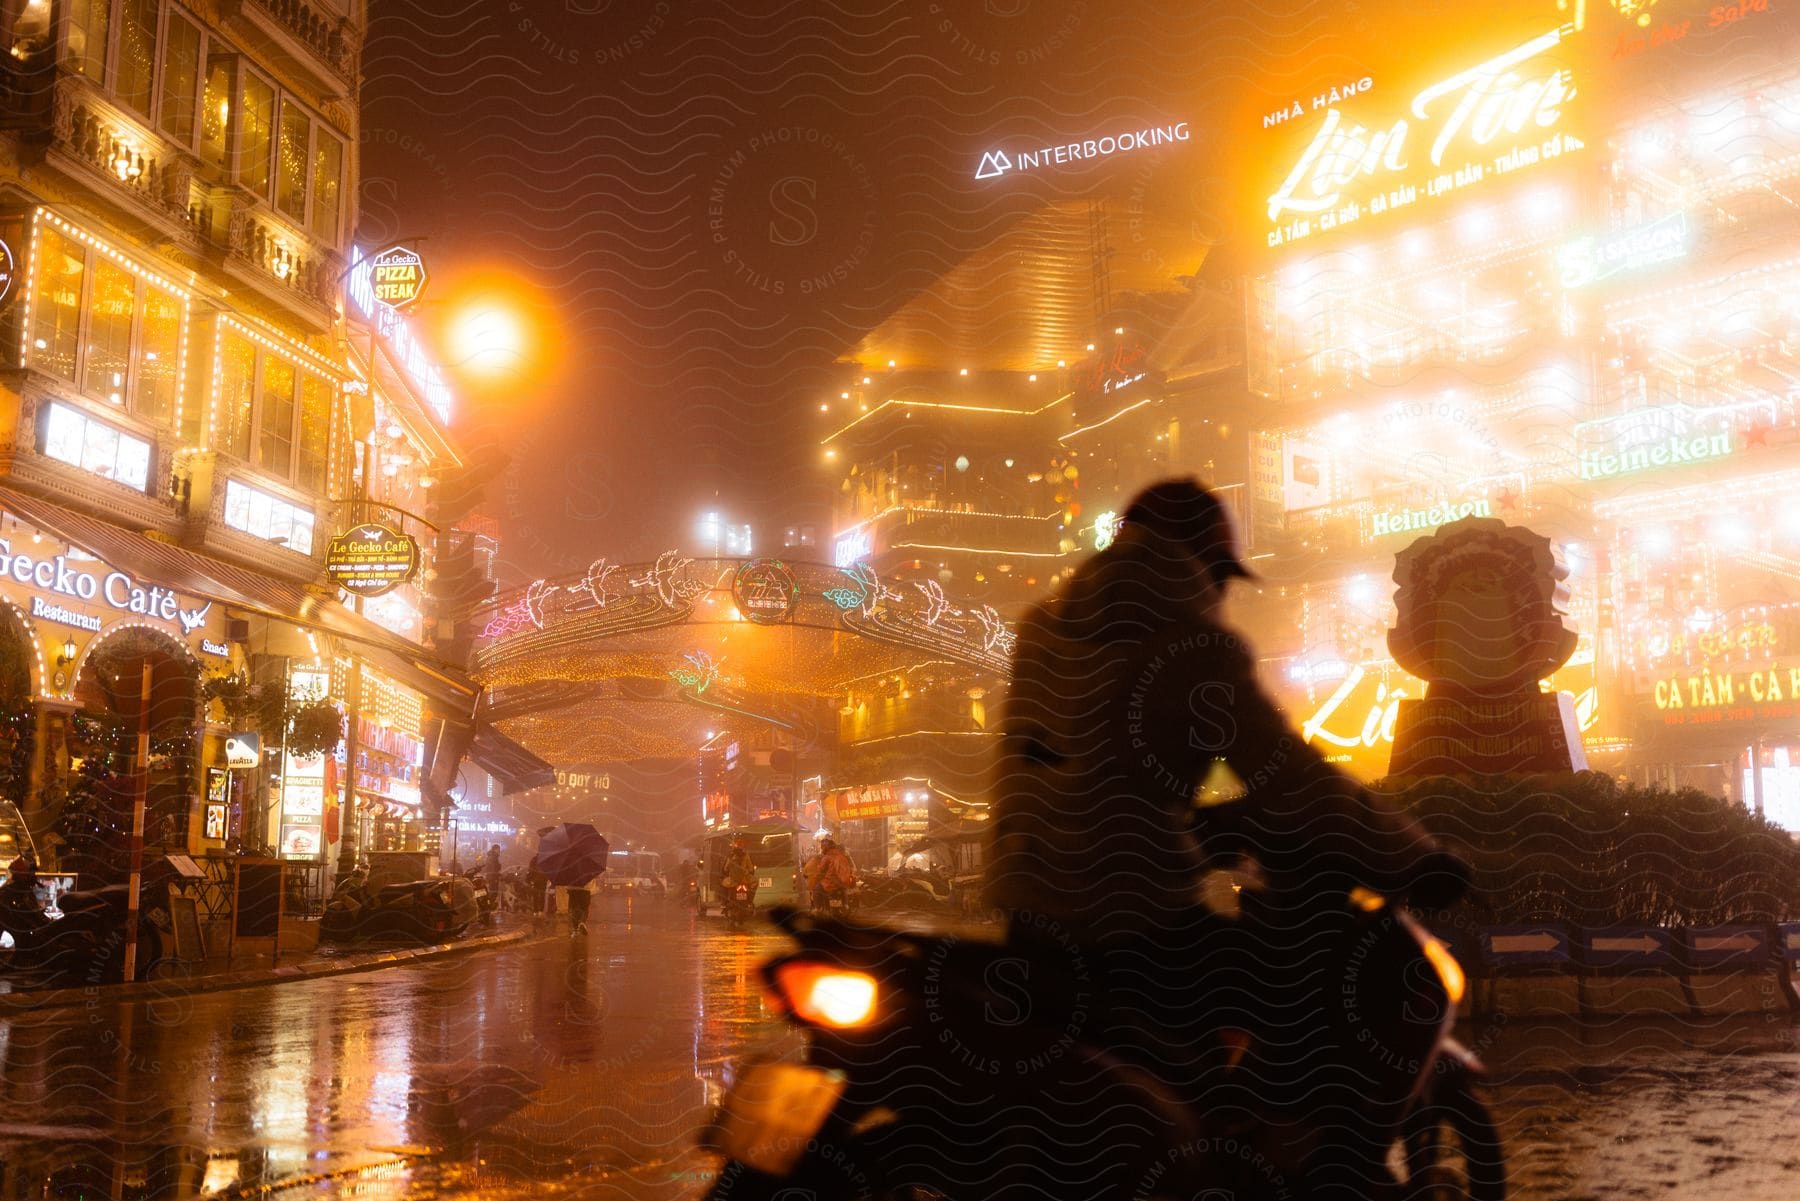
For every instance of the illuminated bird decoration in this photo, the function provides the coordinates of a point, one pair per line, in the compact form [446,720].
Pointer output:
[700,675]
[598,582]
[669,580]
[371,535]
[535,595]
[937,605]
[995,636]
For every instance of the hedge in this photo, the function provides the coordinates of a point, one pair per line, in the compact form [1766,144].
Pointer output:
[1588,850]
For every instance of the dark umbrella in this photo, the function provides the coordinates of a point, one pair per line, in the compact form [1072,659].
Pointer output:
[572,854]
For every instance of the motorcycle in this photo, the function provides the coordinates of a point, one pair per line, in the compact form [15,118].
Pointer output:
[908,890]
[423,911]
[893,1078]
[486,903]
[838,903]
[738,906]
[88,941]
[690,894]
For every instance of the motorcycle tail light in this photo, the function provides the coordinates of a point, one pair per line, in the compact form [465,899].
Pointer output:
[1448,970]
[826,995]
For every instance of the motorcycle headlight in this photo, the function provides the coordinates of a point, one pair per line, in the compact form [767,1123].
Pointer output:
[826,995]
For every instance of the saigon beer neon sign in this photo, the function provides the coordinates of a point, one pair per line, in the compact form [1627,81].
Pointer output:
[1492,119]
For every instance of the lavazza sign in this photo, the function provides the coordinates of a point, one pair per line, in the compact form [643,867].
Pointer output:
[115,588]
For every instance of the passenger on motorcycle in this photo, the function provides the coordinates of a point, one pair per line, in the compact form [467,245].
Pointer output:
[1127,694]
[833,876]
[740,869]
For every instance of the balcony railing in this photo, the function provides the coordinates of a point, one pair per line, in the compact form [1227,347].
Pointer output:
[287,259]
[319,32]
[155,176]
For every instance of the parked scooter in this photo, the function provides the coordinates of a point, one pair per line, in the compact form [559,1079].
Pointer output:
[423,911]
[889,1082]
[87,943]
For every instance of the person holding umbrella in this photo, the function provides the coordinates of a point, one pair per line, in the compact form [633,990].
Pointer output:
[570,856]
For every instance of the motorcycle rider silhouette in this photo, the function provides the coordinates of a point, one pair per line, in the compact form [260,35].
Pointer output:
[1128,694]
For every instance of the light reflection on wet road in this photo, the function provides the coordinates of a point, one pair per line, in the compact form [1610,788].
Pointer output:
[592,1065]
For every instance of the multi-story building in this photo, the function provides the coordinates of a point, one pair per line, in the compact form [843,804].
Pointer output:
[187,418]
[1573,321]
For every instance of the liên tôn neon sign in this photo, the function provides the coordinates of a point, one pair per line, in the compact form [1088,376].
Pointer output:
[1486,121]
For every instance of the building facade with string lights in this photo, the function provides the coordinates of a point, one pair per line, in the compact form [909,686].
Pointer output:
[196,387]
[1579,321]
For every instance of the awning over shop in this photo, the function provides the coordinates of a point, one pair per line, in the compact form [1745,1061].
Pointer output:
[517,769]
[250,591]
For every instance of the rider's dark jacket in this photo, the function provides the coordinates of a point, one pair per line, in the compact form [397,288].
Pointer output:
[1125,696]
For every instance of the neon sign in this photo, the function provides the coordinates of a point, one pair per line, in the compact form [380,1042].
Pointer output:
[390,325]
[1590,260]
[1405,521]
[1771,684]
[1674,451]
[996,163]
[852,547]
[1495,108]
[116,589]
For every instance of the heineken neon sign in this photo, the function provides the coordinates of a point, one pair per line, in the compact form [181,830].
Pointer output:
[1406,521]
[1673,451]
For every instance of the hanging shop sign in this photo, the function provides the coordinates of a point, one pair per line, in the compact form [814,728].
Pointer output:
[8,264]
[397,275]
[115,590]
[391,325]
[1406,521]
[1493,119]
[1590,260]
[855,804]
[765,591]
[371,559]
[243,750]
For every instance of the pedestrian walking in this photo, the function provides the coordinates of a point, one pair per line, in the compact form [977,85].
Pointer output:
[579,897]
[490,873]
[538,896]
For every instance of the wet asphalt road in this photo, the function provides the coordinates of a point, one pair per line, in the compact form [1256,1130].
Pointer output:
[612,1050]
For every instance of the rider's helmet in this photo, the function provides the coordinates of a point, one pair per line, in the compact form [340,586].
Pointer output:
[22,868]
[1186,511]
[738,844]
[826,844]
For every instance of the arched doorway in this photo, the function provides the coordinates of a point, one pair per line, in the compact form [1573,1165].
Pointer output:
[18,731]
[94,815]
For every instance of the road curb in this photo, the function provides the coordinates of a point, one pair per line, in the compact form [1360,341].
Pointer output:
[180,986]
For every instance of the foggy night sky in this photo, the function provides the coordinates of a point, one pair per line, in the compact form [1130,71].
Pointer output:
[627,157]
